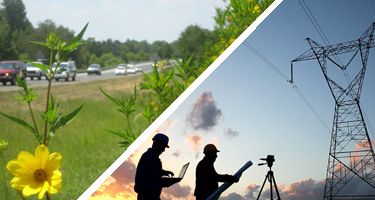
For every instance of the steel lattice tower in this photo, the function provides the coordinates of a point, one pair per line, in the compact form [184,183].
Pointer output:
[351,154]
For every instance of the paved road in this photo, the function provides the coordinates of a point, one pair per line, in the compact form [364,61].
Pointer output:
[81,77]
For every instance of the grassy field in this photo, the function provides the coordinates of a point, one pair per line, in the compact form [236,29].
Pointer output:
[86,146]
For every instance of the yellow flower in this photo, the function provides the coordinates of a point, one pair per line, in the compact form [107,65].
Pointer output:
[36,174]
[257,9]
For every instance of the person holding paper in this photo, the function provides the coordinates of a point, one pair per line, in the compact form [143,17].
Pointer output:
[207,178]
[149,179]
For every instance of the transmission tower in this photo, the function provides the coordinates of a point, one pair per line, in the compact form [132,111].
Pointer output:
[351,155]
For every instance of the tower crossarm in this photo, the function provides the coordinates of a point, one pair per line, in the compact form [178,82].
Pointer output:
[317,51]
[335,49]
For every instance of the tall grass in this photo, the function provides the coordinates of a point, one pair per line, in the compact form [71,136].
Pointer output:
[85,144]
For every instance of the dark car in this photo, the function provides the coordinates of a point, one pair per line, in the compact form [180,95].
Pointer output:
[94,69]
[9,70]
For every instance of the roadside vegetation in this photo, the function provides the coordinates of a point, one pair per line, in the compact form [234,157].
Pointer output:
[86,146]
[116,111]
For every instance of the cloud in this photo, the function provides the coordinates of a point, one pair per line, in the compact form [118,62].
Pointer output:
[356,186]
[204,114]
[251,191]
[176,154]
[120,183]
[195,143]
[232,196]
[230,133]
[306,189]
[125,173]
[177,191]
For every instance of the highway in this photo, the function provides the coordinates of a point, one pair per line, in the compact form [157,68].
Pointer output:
[81,77]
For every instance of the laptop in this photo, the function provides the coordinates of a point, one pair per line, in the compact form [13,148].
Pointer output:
[168,181]
[183,170]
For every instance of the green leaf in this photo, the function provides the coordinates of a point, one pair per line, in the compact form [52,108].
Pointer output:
[156,73]
[40,43]
[112,99]
[64,120]
[43,67]
[22,123]
[69,117]
[128,137]
[78,37]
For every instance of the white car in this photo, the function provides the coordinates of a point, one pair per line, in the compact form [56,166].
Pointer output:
[33,71]
[65,71]
[130,69]
[120,70]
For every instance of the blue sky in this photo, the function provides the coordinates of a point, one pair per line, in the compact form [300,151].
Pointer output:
[124,19]
[263,112]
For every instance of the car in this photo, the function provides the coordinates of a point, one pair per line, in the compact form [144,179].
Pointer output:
[94,69]
[138,69]
[65,71]
[121,69]
[35,72]
[130,69]
[10,69]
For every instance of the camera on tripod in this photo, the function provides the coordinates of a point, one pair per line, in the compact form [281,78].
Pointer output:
[269,161]
[269,177]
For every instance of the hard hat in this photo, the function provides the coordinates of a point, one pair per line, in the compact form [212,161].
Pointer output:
[209,148]
[160,137]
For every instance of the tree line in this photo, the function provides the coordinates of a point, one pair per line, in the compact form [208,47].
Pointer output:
[200,44]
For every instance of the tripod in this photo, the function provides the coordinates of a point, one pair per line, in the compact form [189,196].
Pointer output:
[270,177]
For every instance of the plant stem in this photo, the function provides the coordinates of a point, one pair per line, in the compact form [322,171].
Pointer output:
[47,196]
[32,117]
[47,104]
[127,119]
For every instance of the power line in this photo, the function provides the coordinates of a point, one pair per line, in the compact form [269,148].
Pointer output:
[316,25]
[285,77]
[313,21]
[292,22]
[265,60]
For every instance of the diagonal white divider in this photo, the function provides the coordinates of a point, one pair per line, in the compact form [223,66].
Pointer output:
[164,116]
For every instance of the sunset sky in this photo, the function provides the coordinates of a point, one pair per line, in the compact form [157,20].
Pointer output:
[249,111]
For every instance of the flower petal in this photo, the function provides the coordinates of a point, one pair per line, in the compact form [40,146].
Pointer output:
[18,183]
[43,190]
[27,160]
[42,154]
[16,168]
[53,163]
[56,180]
[32,189]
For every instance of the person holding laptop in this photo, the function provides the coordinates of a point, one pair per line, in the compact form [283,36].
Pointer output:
[207,178]
[149,179]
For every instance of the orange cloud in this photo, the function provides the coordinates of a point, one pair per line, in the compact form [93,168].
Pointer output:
[195,142]
[119,184]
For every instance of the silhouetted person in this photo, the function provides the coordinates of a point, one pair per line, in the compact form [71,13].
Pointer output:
[207,178]
[148,178]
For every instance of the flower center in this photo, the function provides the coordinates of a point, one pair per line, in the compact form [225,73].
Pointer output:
[40,175]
